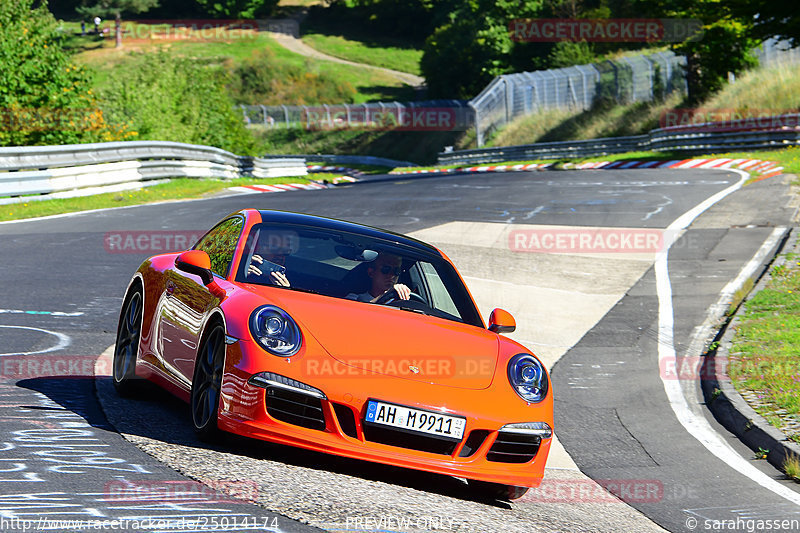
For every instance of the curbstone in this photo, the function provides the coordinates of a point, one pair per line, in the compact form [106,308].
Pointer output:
[728,406]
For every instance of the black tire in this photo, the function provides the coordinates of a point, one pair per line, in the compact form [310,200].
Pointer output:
[207,382]
[126,349]
[497,491]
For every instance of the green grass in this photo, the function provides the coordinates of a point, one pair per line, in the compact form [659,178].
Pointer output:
[369,85]
[772,90]
[177,189]
[761,92]
[402,59]
[765,354]
[601,121]
[791,466]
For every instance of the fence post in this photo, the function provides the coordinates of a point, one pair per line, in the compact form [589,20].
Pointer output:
[478,130]
[505,99]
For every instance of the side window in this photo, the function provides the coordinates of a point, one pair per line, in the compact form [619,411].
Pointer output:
[439,296]
[220,243]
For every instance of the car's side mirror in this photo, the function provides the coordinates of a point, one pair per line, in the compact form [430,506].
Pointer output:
[196,262]
[501,321]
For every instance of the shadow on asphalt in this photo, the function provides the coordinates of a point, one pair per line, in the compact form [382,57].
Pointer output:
[157,415]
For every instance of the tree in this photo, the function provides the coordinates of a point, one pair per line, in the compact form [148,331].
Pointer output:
[725,44]
[769,18]
[725,47]
[115,8]
[473,46]
[238,8]
[44,97]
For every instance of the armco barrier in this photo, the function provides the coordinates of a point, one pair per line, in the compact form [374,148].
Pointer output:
[691,139]
[50,169]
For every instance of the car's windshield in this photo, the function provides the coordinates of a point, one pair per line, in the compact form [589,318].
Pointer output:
[343,265]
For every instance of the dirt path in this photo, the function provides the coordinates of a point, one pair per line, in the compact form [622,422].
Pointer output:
[291,41]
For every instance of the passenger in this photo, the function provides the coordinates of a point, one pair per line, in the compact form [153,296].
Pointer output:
[272,256]
[384,273]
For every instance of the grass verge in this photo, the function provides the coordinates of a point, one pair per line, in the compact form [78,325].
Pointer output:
[764,360]
[401,59]
[104,59]
[177,189]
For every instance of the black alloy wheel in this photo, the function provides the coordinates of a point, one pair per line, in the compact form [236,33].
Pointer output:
[207,383]
[126,349]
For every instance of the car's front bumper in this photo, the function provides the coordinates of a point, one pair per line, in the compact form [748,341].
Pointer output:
[337,424]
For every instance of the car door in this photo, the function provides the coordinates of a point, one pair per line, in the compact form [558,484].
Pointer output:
[187,300]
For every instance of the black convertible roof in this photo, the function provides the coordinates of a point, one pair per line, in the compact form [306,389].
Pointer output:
[301,219]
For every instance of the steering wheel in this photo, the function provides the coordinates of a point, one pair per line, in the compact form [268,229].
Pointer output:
[391,295]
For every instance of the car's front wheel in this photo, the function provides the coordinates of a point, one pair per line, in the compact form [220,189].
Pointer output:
[207,383]
[126,348]
[497,491]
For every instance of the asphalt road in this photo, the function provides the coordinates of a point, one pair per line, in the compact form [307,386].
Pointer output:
[62,288]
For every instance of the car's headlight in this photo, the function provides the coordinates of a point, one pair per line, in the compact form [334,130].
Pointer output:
[275,331]
[527,377]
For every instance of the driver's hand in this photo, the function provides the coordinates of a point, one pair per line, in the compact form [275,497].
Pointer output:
[252,269]
[402,291]
[279,278]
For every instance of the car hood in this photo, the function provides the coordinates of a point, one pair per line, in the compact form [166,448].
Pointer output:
[364,338]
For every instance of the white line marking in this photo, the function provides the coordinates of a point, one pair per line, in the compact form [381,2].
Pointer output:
[694,423]
[63,341]
[50,313]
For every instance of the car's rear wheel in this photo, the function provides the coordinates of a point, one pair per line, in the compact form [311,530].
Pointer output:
[126,350]
[497,491]
[207,383]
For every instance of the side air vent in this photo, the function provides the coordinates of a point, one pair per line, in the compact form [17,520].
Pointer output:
[513,448]
[347,420]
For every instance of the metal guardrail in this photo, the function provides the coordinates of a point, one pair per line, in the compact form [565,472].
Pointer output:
[334,159]
[44,170]
[700,138]
[451,115]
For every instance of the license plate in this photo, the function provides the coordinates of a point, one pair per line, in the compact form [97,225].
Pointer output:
[416,420]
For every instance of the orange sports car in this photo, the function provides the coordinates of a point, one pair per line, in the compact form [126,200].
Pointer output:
[340,338]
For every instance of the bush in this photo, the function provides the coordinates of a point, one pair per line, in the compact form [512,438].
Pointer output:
[261,80]
[167,98]
[44,97]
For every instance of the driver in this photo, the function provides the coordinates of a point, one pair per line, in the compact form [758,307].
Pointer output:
[384,273]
